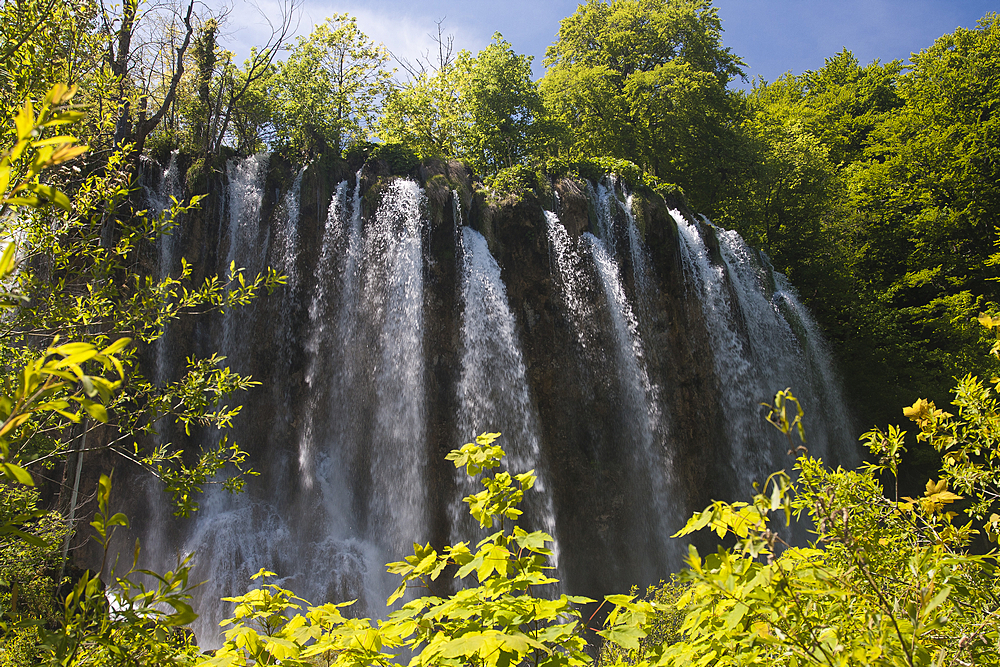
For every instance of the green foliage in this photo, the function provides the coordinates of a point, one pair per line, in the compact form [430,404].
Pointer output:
[54,382]
[871,187]
[44,43]
[133,622]
[400,158]
[90,624]
[660,628]
[883,583]
[969,444]
[330,88]
[254,111]
[645,80]
[503,107]
[497,622]
[87,290]
[426,114]
[516,181]
[27,570]
[204,53]
[482,109]
[595,168]
[267,629]
[29,154]
[926,204]
[84,293]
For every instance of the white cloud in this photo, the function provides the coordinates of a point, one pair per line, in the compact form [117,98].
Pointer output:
[406,34]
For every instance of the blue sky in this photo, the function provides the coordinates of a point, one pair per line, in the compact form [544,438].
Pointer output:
[772,36]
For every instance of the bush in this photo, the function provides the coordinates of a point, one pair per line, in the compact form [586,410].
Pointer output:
[885,582]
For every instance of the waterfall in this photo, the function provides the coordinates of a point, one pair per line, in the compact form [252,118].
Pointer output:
[393,301]
[244,198]
[642,439]
[493,390]
[288,235]
[362,438]
[706,281]
[160,199]
[245,247]
[357,497]
[168,247]
[341,238]
[609,208]
[758,352]
[575,288]
[627,374]
[828,420]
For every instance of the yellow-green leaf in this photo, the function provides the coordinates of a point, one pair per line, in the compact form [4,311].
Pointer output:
[17,473]
[97,411]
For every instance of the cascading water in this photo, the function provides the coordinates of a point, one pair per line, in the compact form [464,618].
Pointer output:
[393,303]
[168,260]
[575,288]
[161,199]
[829,411]
[401,334]
[706,281]
[246,240]
[341,237]
[619,349]
[757,352]
[493,389]
[357,499]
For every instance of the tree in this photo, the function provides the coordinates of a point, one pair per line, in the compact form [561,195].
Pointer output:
[871,188]
[69,368]
[232,99]
[425,114]
[924,204]
[331,87]
[44,42]
[483,109]
[129,69]
[645,80]
[76,271]
[503,107]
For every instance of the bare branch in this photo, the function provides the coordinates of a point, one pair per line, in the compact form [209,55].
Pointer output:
[145,126]
[260,61]
[423,64]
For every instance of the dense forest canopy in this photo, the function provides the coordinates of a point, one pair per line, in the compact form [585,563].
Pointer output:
[874,187]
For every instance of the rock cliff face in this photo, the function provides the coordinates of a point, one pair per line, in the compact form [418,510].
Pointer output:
[620,345]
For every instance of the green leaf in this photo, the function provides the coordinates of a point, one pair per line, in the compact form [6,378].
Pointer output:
[16,473]
[7,260]
[396,594]
[52,194]
[627,636]
[620,600]
[34,540]
[116,346]
[61,139]
[96,410]
[465,645]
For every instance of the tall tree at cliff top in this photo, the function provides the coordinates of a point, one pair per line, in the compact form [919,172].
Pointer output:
[331,87]
[483,109]
[645,80]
